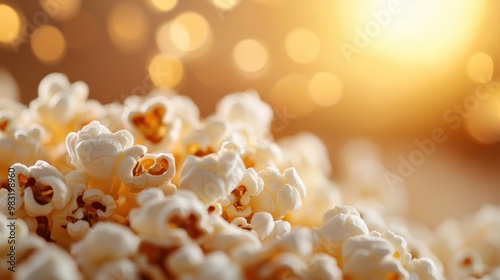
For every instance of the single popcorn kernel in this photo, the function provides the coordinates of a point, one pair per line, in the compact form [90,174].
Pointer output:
[150,166]
[150,124]
[42,194]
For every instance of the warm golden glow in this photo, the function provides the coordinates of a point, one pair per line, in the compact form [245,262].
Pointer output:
[483,123]
[480,68]
[127,26]
[250,55]
[427,33]
[165,71]
[302,45]
[164,5]
[189,31]
[10,24]
[61,10]
[289,96]
[325,89]
[48,44]
[225,4]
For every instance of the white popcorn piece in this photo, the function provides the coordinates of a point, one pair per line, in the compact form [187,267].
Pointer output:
[40,189]
[104,243]
[20,145]
[267,229]
[187,111]
[85,209]
[339,224]
[423,269]
[153,122]
[213,177]
[370,257]
[185,259]
[281,193]
[98,151]
[55,92]
[263,154]
[207,138]
[281,259]
[120,269]
[58,105]
[215,265]
[151,170]
[38,259]
[174,219]
[247,108]
[237,242]
[322,266]
[237,203]
[466,263]
[399,243]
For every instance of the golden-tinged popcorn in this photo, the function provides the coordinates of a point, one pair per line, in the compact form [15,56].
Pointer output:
[281,193]
[153,123]
[19,145]
[104,243]
[322,266]
[207,138]
[423,269]
[213,199]
[58,105]
[399,243]
[213,177]
[339,224]
[246,109]
[171,220]
[151,170]
[99,152]
[215,265]
[237,203]
[370,257]
[85,209]
[40,189]
[38,259]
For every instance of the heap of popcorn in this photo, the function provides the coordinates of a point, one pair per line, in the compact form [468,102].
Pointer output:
[148,190]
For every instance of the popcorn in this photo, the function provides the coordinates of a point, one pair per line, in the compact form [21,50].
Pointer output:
[40,189]
[374,255]
[171,220]
[98,151]
[236,215]
[37,259]
[246,109]
[212,177]
[339,224]
[19,145]
[58,104]
[153,123]
[85,209]
[104,243]
[151,170]
[237,203]
[281,192]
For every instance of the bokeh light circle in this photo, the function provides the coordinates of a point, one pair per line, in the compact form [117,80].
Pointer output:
[302,45]
[480,68]
[250,55]
[48,44]
[165,71]
[325,89]
[10,24]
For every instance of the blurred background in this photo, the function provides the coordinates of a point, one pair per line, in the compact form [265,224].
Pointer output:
[392,71]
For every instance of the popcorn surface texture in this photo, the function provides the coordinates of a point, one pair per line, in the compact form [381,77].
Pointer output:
[149,190]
